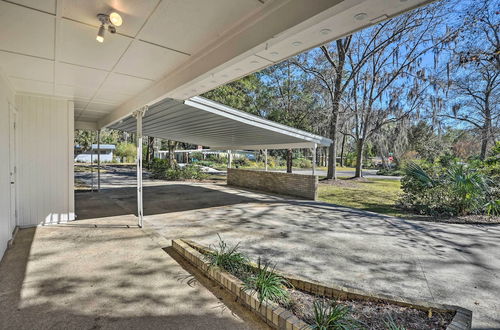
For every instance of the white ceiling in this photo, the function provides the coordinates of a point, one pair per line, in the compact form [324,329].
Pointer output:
[165,48]
[49,47]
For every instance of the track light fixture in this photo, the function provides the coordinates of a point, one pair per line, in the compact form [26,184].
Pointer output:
[112,21]
[100,34]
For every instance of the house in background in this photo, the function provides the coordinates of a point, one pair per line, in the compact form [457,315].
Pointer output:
[180,155]
[89,156]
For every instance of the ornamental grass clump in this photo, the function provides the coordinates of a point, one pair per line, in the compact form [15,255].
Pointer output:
[390,324]
[228,258]
[268,285]
[328,315]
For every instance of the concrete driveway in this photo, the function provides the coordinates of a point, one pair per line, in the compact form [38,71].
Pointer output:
[107,274]
[445,263]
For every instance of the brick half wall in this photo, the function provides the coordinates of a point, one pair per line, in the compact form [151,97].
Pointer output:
[297,185]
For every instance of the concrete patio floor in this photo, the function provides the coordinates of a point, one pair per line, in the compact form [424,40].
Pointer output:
[107,274]
[445,263]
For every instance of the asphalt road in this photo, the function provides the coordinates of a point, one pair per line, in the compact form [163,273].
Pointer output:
[366,173]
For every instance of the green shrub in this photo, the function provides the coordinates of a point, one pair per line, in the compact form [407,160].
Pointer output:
[207,163]
[493,207]
[332,316]
[126,152]
[458,189]
[160,169]
[196,156]
[192,172]
[390,172]
[228,258]
[302,163]
[268,285]
[350,159]
[469,187]
[241,162]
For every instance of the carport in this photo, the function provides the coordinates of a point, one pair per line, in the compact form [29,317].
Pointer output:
[207,123]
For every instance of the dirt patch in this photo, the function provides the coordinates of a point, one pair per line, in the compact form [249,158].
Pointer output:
[373,315]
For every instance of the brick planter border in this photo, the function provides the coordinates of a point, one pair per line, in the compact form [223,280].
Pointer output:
[279,318]
[289,184]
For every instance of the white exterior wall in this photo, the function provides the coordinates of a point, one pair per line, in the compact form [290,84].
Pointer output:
[6,97]
[45,160]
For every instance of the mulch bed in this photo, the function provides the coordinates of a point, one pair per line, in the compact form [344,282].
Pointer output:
[373,315]
[468,219]
[369,314]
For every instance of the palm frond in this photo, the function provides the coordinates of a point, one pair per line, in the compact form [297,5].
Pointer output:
[415,171]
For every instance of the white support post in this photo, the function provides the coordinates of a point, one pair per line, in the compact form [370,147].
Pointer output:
[265,157]
[314,159]
[98,160]
[229,158]
[138,116]
[92,161]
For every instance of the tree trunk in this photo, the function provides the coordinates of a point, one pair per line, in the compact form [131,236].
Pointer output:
[332,151]
[342,152]
[485,133]
[359,158]
[289,161]
[342,46]
[149,151]
[484,142]
[171,153]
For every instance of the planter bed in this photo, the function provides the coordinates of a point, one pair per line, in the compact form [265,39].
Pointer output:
[369,310]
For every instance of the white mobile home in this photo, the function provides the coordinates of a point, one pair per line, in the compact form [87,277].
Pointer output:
[62,67]
[98,152]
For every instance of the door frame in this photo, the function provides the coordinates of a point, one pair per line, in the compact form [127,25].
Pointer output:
[13,168]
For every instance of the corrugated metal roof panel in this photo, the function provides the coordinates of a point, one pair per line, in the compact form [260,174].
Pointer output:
[204,122]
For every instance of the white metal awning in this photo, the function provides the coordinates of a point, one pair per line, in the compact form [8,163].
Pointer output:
[203,122]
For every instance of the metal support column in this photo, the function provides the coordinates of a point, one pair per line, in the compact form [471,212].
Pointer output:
[314,159]
[92,161]
[265,157]
[98,160]
[138,116]
[229,158]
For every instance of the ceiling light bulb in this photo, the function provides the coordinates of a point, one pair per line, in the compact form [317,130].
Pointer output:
[296,43]
[115,19]
[100,34]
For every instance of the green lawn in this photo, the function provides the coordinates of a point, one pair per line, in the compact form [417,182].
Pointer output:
[376,195]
